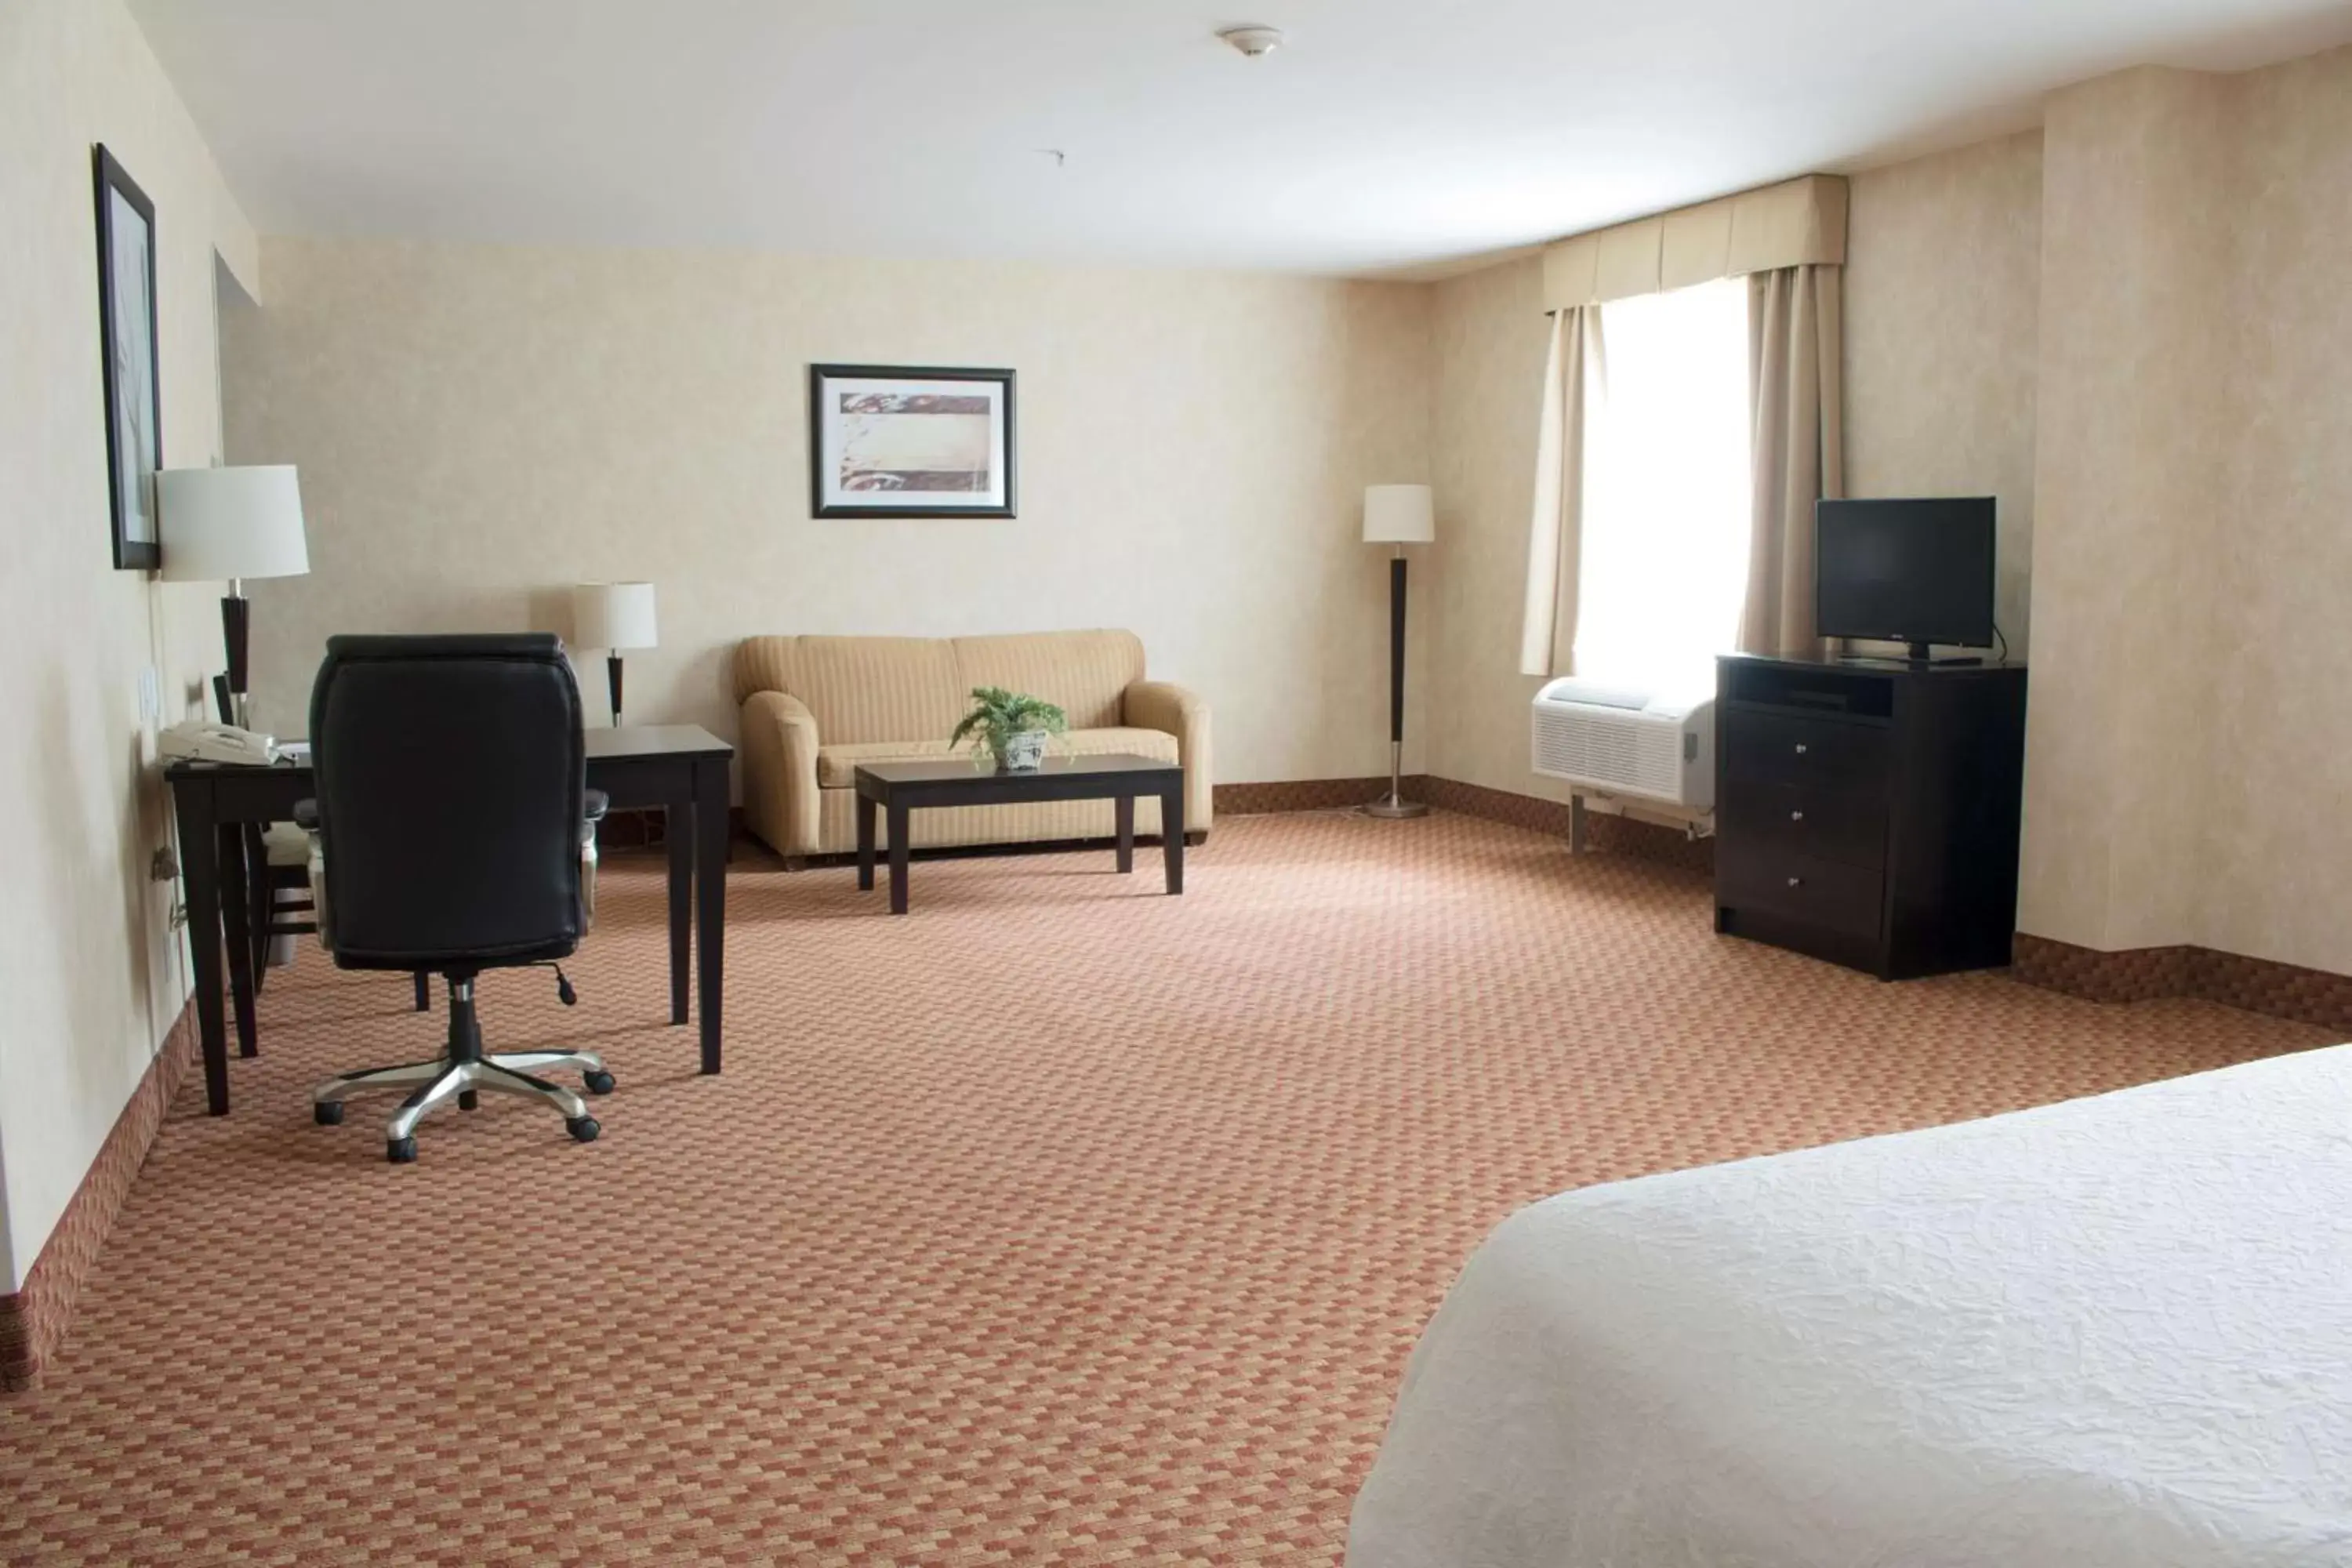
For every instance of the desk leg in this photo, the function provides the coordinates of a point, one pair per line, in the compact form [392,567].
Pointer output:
[236,921]
[711,898]
[898,837]
[261,901]
[200,864]
[1123,814]
[679,829]
[866,812]
[1171,836]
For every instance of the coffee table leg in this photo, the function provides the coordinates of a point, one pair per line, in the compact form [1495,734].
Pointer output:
[897,860]
[1171,836]
[1125,807]
[866,811]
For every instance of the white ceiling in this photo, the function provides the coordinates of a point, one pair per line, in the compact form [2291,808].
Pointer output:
[1388,135]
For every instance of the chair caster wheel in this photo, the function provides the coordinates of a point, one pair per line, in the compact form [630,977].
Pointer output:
[327,1113]
[400,1151]
[468,1098]
[597,1082]
[583,1128]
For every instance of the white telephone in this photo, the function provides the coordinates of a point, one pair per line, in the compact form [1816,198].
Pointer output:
[199,741]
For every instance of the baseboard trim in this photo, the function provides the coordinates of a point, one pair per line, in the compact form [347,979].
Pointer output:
[33,1321]
[1295,795]
[1606,835]
[2146,973]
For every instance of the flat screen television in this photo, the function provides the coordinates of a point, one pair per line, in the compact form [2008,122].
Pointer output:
[1916,572]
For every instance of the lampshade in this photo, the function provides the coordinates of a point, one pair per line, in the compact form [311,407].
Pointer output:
[219,523]
[613,614]
[1399,514]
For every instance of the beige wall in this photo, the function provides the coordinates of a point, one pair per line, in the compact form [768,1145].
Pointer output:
[1491,337]
[91,974]
[2188,773]
[2131,428]
[2281,740]
[478,426]
[1942,289]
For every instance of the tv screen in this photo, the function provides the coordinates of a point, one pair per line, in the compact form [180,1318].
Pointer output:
[1905,571]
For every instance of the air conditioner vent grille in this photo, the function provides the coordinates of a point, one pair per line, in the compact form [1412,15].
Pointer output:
[1628,751]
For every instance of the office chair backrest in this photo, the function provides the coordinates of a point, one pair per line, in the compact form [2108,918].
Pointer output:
[450,791]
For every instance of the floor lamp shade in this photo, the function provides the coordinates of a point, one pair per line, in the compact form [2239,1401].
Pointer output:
[613,616]
[224,525]
[1398,515]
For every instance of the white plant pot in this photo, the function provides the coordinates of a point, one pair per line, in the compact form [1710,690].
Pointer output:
[1025,752]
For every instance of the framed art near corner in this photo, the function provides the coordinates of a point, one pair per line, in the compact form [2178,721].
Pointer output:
[904,441]
[126,336]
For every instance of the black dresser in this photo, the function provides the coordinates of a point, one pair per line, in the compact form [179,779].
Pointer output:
[1867,812]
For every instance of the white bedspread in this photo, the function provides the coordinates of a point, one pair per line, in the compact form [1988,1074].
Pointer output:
[2115,1331]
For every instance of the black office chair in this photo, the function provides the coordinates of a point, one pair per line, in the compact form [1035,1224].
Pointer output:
[454,834]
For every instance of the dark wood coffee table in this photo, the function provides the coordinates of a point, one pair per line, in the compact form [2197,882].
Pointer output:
[899,787]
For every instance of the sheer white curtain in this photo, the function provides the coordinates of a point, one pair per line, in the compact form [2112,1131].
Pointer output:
[1667,490]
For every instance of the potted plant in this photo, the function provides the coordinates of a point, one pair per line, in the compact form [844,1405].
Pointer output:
[1011,726]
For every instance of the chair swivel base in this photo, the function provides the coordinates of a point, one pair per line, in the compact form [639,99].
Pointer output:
[461,1073]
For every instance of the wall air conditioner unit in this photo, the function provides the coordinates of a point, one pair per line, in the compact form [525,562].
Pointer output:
[1626,743]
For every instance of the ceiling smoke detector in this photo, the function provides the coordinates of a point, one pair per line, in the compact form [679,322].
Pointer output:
[1254,40]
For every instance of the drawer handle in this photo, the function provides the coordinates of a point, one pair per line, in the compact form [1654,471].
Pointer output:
[1800,748]
[1796,881]
[1796,816]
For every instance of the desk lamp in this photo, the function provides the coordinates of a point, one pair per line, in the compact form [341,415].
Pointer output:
[613,616]
[229,524]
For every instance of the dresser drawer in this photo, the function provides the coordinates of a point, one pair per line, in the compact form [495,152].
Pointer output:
[1842,824]
[1825,893]
[1775,747]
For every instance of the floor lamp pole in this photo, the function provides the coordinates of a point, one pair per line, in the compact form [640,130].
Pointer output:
[1393,804]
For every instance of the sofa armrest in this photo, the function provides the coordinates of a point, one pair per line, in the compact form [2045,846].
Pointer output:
[1171,708]
[779,791]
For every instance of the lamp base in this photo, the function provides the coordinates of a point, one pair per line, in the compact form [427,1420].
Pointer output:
[1392,807]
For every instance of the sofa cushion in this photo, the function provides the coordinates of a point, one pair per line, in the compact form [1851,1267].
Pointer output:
[860,689]
[837,766]
[1086,674]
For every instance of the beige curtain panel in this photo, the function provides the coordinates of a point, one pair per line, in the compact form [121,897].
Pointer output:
[1796,398]
[1575,376]
[1798,222]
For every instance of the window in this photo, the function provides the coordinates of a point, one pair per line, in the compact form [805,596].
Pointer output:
[1667,493]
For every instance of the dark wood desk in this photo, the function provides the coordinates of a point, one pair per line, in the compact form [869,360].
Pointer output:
[899,787]
[679,768]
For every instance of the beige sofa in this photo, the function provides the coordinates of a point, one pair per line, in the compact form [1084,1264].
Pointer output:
[815,706]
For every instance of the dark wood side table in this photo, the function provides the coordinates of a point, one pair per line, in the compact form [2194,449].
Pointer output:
[679,768]
[899,787]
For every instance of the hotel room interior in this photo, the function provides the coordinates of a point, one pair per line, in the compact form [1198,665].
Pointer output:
[1503,785]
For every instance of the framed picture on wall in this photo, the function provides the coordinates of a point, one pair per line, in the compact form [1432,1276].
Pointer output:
[905,441]
[126,337]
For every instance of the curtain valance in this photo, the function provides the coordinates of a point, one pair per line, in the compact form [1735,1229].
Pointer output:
[1798,223]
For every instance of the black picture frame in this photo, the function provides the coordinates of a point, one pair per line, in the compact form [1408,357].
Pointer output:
[128,340]
[825,414]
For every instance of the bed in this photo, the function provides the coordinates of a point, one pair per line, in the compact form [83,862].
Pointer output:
[2113,1331]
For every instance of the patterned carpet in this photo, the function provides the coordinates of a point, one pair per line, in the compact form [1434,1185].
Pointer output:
[1057,1222]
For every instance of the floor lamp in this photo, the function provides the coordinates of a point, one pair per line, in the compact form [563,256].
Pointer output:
[1397,515]
[613,616]
[226,525]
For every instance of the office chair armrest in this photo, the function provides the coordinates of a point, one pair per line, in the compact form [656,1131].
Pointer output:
[598,803]
[306,815]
